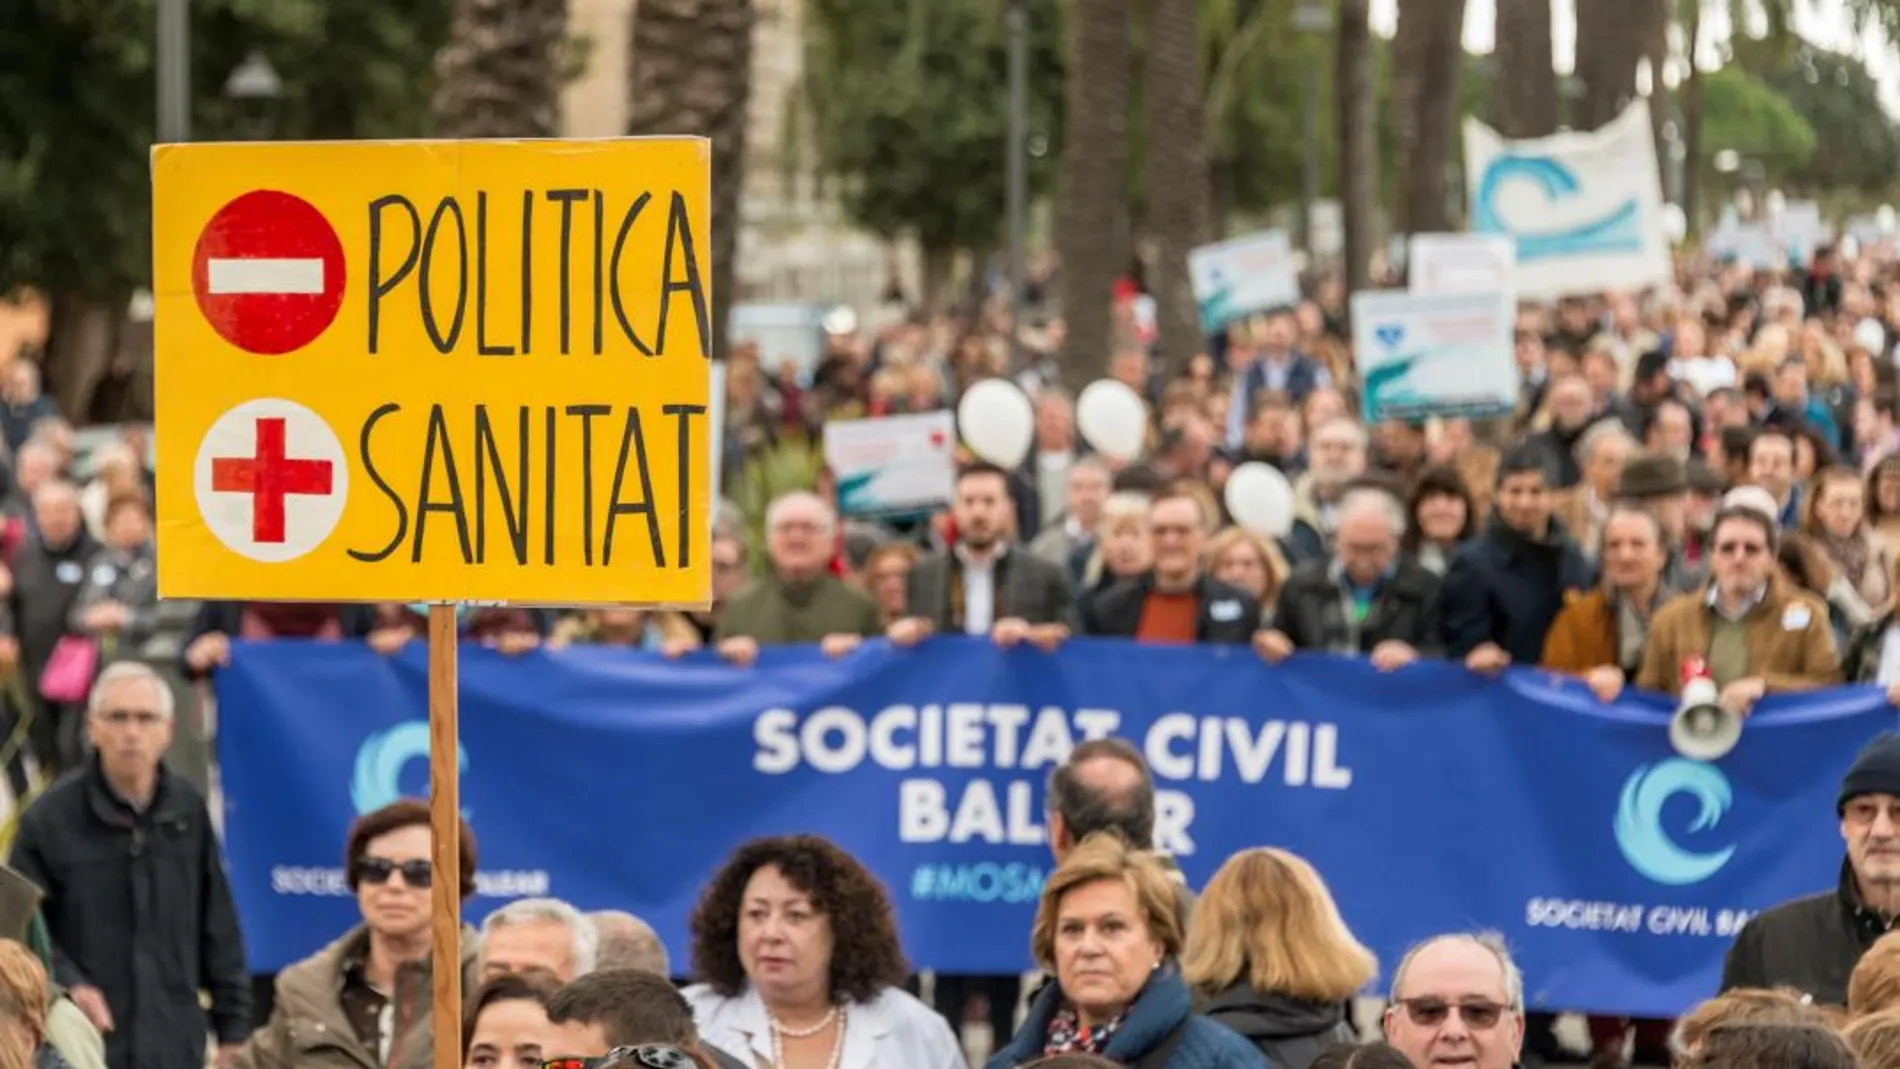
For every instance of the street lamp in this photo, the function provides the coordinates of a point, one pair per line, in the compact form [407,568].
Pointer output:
[255,88]
[174,71]
[1312,19]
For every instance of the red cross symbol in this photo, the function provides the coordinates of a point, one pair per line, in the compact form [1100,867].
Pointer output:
[269,477]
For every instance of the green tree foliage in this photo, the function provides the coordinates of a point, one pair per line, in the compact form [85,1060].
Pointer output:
[1743,114]
[77,117]
[1857,146]
[907,107]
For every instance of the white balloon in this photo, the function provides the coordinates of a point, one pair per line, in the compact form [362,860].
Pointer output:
[997,422]
[1112,418]
[1260,499]
[1675,224]
[1884,218]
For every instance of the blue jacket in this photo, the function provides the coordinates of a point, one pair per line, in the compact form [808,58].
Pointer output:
[1504,588]
[1162,1007]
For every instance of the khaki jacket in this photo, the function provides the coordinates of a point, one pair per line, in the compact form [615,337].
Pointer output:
[1789,648]
[308,1029]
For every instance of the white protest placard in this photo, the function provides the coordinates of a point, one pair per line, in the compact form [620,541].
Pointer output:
[1584,209]
[1801,230]
[1243,276]
[892,464]
[1754,245]
[1435,354]
[1462,263]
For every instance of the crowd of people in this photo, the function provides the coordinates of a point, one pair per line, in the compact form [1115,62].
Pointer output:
[1707,473]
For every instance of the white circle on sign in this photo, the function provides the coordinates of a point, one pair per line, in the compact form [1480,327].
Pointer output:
[271,480]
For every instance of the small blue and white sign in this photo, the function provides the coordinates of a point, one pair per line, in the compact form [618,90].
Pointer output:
[892,465]
[1435,354]
[1243,277]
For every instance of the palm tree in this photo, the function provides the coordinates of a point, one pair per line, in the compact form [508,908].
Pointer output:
[1609,44]
[1523,97]
[1358,139]
[501,72]
[1177,171]
[1768,49]
[1091,202]
[691,73]
[1427,71]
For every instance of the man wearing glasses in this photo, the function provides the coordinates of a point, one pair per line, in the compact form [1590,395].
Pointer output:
[1755,631]
[136,903]
[1812,944]
[1457,1000]
[365,998]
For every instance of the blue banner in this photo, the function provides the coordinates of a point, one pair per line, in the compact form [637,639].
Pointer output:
[1430,799]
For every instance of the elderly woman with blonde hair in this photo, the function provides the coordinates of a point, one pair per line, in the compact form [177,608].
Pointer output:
[1270,957]
[24,996]
[1107,930]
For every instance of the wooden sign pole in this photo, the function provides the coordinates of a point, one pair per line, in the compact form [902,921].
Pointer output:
[445,807]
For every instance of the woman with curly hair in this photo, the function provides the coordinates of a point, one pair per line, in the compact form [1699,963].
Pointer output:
[796,954]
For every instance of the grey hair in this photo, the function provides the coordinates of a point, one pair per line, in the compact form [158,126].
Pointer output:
[1372,499]
[119,672]
[1358,429]
[827,515]
[586,938]
[627,942]
[1491,941]
[1087,464]
[1599,432]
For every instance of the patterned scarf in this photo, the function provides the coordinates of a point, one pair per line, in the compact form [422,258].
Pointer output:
[1067,1035]
[1849,555]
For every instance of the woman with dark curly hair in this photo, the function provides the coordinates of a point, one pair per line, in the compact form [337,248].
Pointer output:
[796,952]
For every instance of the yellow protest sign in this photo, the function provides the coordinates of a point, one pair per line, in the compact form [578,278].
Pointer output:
[434,371]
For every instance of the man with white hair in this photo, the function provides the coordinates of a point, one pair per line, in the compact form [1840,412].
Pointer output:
[137,903]
[627,942]
[1582,509]
[1458,1000]
[1365,599]
[538,937]
[798,600]
[1336,453]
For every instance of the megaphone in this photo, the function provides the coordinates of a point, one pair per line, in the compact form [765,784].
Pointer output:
[1702,730]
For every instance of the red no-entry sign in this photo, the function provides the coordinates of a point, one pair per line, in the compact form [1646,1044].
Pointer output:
[268,272]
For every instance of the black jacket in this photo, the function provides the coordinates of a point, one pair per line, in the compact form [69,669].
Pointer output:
[1505,588]
[1311,610]
[1810,944]
[138,906]
[1228,614]
[1290,1032]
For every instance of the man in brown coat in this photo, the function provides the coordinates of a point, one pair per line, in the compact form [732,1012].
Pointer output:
[1756,631]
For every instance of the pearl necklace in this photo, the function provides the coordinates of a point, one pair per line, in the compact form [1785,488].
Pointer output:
[779,1031]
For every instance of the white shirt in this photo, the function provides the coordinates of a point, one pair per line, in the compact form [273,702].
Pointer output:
[979,589]
[1889,657]
[892,1030]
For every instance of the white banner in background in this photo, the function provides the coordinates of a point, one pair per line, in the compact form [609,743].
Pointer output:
[1243,276]
[1435,354]
[892,464]
[1462,263]
[1584,209]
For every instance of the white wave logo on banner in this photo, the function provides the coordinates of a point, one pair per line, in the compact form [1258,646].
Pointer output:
[1585,210]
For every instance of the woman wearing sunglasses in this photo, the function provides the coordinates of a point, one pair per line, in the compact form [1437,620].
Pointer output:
[364,999]
[1107,928]
[797,954]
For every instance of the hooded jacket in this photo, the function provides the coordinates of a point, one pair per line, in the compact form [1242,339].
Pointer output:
[1291,1032]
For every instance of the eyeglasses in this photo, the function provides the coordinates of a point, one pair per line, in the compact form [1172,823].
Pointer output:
[650,1055]
[1430,1012]
[1746,549]
[377,871]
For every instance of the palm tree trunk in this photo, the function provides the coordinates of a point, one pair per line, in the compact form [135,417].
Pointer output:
[1177,172]
[1523,95]
[1609,42]
[1692,123]
[1427,65]
[1359,139]
[501,70]
[1091,206]
[691,73]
